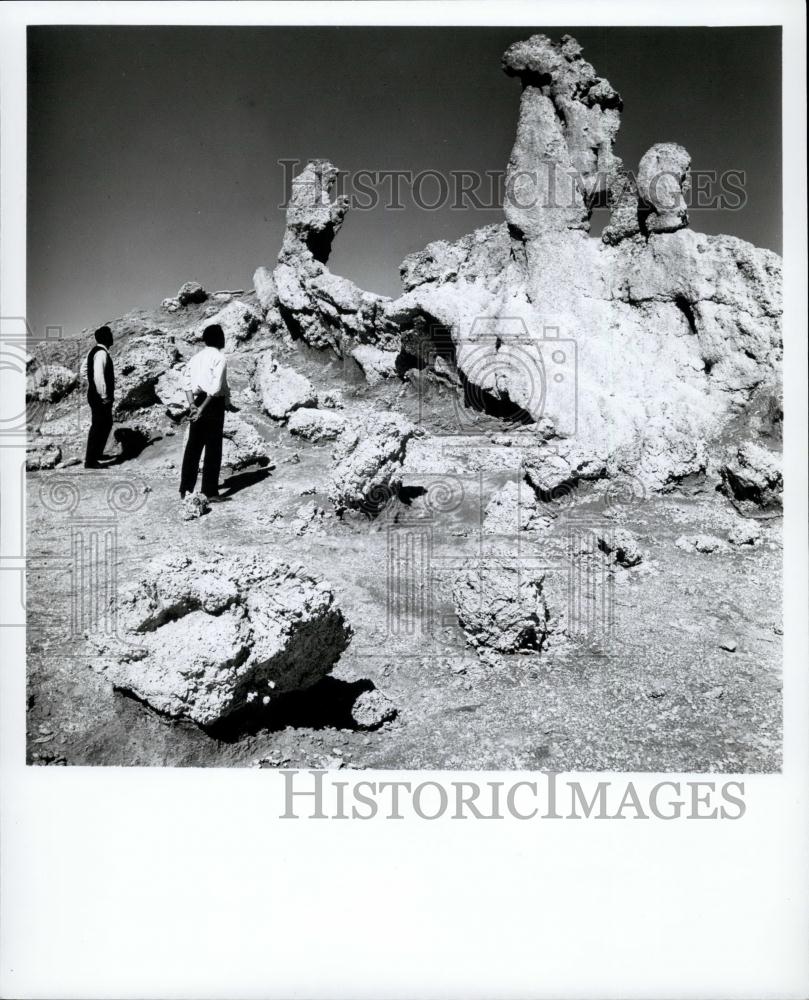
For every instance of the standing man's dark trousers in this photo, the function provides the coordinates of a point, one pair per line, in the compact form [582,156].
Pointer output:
[204,434]
[100,427]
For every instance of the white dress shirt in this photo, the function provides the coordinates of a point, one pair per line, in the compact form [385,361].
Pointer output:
[101,359]
[207,372]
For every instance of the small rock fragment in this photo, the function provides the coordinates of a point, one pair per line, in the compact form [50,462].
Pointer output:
[372,709]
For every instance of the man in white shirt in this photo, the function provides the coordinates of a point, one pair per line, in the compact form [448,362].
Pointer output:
[100,396]
[208,395]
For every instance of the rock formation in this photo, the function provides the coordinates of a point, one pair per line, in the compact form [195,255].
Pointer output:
[562,155]
[203,636]
[663,180]
[503,608]
[630,354]
[367,462]
[281,389]
[138,368]
[316,425]
[372,709]
[242,445]
[515,508]
[239,321]
[318,306]
[752,475]
[49,383]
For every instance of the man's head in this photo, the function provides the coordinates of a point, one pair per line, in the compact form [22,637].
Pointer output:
[104,336]
[212,336]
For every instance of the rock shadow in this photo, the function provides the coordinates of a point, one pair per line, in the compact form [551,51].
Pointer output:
[325,705]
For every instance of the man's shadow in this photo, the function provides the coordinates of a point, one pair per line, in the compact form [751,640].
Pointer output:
[242,480]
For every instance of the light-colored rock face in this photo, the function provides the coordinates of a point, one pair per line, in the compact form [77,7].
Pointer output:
[663,179]
[318,306]
[752,475]
[376,364]
[266,292]
[562,155]
[630,353]
[170,390]
[50,383]
[316,425]
[203,636]
[281,389]
[367,462]
[637,354]
[138,368]
[503,608]
[308,518]
[242,445]
[239,321]
[515,508]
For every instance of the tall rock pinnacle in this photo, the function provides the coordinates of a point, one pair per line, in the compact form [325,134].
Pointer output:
[562,156]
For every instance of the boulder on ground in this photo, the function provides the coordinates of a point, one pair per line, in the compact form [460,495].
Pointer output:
[515,508]
[137,370]
[503,608]
[191,292]
[281,389]
[242,445]
[367,462]
[50,383]
[308,517]
[558,467]
[621,546]
[202,635]
[745,531]
[42,455]
[372,709]
[194,506]
[376,364]
[706,544]
[752,475]
[316,425]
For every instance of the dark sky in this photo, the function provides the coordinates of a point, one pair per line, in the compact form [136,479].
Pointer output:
[152,152]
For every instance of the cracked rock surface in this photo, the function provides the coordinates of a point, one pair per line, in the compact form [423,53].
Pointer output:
[201,634]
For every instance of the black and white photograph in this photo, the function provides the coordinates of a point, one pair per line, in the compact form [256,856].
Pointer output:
[412,400]
[404,419]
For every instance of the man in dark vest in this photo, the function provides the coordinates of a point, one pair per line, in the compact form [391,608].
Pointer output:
[208,396]
[100,396]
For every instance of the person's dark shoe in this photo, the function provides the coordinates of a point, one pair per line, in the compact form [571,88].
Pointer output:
[94,465]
